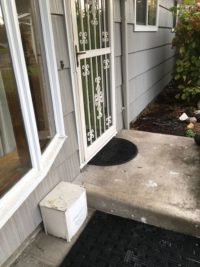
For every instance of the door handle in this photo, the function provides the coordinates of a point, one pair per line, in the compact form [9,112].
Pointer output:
[78,53]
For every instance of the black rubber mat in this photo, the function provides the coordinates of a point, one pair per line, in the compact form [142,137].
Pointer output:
[111,241]
[117,151]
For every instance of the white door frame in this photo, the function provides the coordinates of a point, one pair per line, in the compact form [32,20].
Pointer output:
[80,118]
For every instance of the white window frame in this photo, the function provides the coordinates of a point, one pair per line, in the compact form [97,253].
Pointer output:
[145,28]
[41,162]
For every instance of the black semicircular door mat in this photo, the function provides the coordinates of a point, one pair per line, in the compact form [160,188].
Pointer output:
[117,151]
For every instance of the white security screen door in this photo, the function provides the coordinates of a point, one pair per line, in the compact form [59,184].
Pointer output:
[93,37]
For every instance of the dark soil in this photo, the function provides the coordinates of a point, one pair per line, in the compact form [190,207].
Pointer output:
[162,115]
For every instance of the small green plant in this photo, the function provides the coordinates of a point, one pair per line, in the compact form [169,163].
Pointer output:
[187,43]
[188,93]
[189,2]
[190,133]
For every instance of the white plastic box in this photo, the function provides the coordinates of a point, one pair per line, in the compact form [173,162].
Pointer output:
[64,210]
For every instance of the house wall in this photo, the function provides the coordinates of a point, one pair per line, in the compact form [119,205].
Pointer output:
[151,59]
[66,166]
[150,64]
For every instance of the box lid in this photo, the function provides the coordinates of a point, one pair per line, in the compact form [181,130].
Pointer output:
[62,196]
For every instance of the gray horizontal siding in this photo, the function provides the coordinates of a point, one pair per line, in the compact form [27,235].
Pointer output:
[150,58]
[70,168]
[59,31]
[56,7]
[66,166]
[66,91]
[130,11]
[140,84]
[140,103]
[117,11]
[150,61]
[70,129]
[138,41]
[166,3]
[142,61]
[165,18]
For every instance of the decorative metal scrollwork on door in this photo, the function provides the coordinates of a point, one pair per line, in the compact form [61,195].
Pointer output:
[85,69]
[83,38]
[93,35]
[98,97]
[108,121]
[105,37]
[106,64]
[92,22]
[90,135]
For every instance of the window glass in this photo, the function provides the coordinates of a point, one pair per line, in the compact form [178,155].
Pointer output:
[146,12]
[141,11]
[14,154]
[32,42]
[152,10]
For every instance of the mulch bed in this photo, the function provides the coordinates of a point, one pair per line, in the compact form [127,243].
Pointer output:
[162,115]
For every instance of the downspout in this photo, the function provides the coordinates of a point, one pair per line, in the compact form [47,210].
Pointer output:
[125,82]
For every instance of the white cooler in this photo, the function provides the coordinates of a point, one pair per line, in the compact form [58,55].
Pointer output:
[64,210]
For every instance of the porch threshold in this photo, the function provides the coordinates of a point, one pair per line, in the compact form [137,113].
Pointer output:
[161,186]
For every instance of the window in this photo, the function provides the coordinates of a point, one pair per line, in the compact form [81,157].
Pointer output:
[146,15]
[14,152]
[31,118]
[32,42]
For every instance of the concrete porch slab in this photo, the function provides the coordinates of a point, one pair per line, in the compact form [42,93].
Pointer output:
[161,186]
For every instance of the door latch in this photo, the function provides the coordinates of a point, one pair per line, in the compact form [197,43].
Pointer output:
[62,64]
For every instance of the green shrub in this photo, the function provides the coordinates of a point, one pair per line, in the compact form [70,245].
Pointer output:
[190,133]
[187,43]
